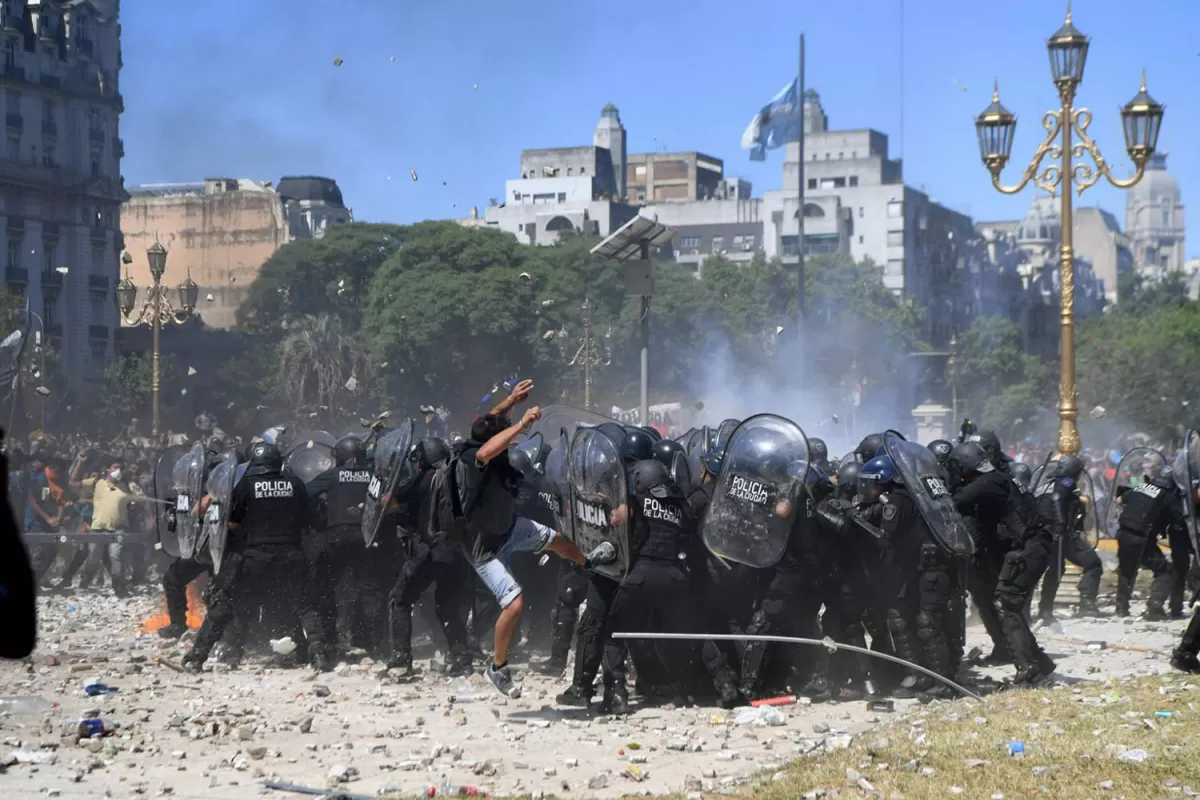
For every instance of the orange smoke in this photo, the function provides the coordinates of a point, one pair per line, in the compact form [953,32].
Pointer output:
[195,609]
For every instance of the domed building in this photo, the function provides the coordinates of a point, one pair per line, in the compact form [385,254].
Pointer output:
[1154,220]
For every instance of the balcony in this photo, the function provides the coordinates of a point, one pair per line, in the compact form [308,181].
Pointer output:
[98,283]
[98,332]
[49,128]
[14,122]
[52,279]
[16,276]
[51,81]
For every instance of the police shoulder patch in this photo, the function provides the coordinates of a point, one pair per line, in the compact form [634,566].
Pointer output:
[1068,482]
[890,512]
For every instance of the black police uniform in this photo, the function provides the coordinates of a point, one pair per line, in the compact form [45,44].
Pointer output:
[1061,511]
[1181,563]
[182,571]
[264,565]
[657,593]
[985,501]
[336,552]
[427,563]
[926,587]
[1148,511]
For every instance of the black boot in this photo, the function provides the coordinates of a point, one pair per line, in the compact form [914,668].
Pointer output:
[1088,607]
[616,698]
[1035,673]
[172,631]
[575,696]
[1154,614]
[817,689]
[1185,661]
[729,695]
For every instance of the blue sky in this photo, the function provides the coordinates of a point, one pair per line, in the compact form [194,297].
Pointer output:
[248,88]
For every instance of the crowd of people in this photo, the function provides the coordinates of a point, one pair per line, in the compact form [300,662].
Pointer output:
[749,528]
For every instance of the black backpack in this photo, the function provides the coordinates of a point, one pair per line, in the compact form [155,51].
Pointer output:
[454,492]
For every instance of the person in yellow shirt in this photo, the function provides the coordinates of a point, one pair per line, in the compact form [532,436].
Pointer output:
[111,499]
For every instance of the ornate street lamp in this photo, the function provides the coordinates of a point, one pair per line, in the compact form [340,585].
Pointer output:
[157,310]
[1141,120]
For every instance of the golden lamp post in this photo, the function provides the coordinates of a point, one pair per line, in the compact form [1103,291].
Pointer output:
[1141,118]
[157,310]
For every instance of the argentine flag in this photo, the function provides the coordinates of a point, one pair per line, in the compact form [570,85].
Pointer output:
[776,124]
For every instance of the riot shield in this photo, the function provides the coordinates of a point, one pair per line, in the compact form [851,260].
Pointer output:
[755,501]
[598,487]
[1090,524]
[308,458]
[559,417]
[189,487]
[164,489]
[1131,471]
[318,438]
[681,472]
[723,433]
[532,448]
[391,462]
[922,476]
[1187,474]
[554,484]
[696,447]
[220,499]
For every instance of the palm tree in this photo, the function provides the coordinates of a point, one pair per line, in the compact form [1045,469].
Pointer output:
[317,361]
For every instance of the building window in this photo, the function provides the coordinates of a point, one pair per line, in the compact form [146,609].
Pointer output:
[895,266]
[895,238]
[717,243]
[582,171]
[860,212]
[562,197]
[1166,211]
[50,251]
[854,154]
[14,146]
[812,183]
[895,209]
[13,254]
[854,180]
[841,156]
[639,172]
[827,156]
[10,53]
[744,243]
[689,242]
[860,239]
[48,148]
[569,171]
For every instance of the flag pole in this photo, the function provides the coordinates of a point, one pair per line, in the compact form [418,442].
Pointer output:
[800,298]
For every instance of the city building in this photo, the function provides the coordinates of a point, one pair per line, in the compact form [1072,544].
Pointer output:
[1098,239]
[1154,220]
[667,177]
[60,177]
[221,230]
[1038,237]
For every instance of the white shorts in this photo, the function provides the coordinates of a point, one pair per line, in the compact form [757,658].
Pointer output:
[526,536]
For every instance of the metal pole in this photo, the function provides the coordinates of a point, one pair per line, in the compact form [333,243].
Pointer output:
[587,353]
[156,325]
[800,299]
[1068,434]
[645,331]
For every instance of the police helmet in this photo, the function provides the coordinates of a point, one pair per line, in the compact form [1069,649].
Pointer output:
[1069,466]
[990,443]
[818,451]
[432,451]
[612,430]
[520,461]
[941,450]
[637,445]
[1161,474]
[264,457]
[970,457]
[847,478]
[710,455]
[665,451]
[1022,474]
[651,476]
[349,451]
[875,476]
[869,447]
[652,432]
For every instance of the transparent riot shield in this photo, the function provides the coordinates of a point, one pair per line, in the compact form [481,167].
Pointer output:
[1133,469]
[1187,478]
[189,487]
[307,459]
[756,498]
[220,499]
[164,490]
[599,498]
[922,476]
[391,463]
[557,493]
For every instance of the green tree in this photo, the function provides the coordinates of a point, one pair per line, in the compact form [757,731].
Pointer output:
[322,368]
[1141,295]
[998,384]
[127,388]
[1143,369]
[319,276]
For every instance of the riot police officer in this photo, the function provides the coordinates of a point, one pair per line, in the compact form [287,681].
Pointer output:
[264,561]
[1148,511]
[1061,510]
[818,454]
[428,562]
[924,580]
[335,550]
[656,593]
